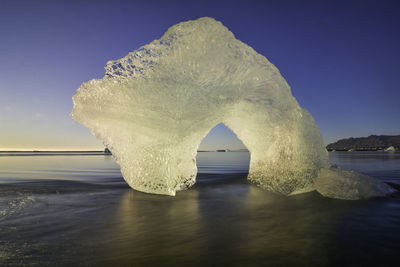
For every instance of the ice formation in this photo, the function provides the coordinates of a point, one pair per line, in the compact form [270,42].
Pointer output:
[391,148]
[345,184]
[154,106]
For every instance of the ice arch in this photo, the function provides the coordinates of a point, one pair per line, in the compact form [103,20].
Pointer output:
[154,106]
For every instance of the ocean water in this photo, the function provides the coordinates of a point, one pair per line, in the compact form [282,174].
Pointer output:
[76,210]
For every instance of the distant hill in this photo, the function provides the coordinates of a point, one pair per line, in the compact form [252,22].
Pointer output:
[372,142]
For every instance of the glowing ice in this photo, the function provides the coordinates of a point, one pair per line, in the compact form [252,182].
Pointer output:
[344,184]
[154,106]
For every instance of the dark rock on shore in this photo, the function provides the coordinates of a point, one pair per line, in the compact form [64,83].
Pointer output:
[370,143]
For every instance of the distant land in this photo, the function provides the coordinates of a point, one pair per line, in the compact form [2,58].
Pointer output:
[56,152]
[370,143]
[95,152]
[224,150]
[52,151]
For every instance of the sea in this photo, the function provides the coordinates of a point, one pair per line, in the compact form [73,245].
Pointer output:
[74,209]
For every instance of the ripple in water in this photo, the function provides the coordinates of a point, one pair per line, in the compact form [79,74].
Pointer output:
[77,210]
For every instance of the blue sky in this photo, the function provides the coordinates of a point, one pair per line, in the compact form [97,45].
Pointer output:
[341,59]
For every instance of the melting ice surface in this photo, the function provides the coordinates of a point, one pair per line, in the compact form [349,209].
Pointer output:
[154,106]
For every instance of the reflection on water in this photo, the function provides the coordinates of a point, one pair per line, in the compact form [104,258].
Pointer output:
[154,229]
[78,211]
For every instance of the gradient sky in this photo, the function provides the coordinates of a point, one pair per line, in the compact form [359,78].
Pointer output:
[341,59]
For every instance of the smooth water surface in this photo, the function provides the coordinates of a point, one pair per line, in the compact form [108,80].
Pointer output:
[76,210]
[379,164]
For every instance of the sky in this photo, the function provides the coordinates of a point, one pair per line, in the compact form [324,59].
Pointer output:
[341,59]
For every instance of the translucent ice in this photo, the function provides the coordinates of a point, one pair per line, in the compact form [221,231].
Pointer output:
[154,106]
[344,184]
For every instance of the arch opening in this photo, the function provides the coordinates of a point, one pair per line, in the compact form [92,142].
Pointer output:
[221,158]
[222,152]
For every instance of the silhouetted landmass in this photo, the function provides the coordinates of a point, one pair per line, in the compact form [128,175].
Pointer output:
[51,151]
[370,143]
